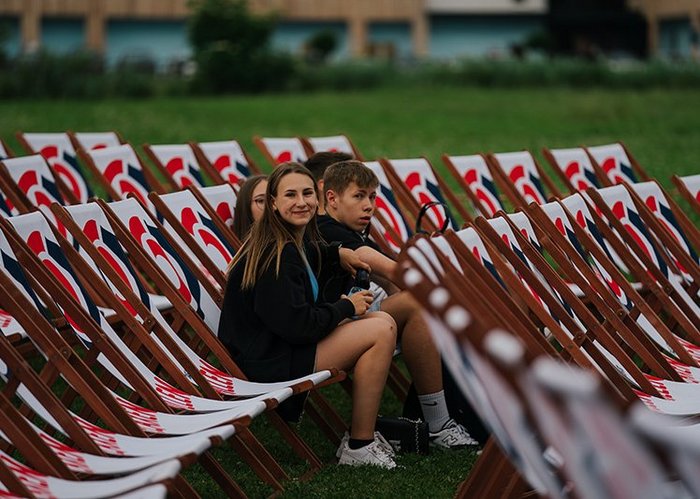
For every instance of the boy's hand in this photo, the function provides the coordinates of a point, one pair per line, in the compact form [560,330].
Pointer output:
[351,262]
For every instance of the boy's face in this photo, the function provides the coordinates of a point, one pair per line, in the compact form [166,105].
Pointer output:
[354,207]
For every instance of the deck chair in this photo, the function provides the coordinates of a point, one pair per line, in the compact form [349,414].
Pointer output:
[474,177]
[282,149]
[460,332]
[390,226]
[615,163]
[521,177]
[60,155]
[425,191]
[689,188]
[95,140]
[186,216]
[642,247]
[339,143]
[224,161]
[672,228]
[121,172]
[5,151]
[574,168]
[31,185]
[220,202]
[176,163]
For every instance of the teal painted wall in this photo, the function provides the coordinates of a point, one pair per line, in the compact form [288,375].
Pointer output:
[13,41]
[62,35]
[162,41]
[475,36]
[674,39]
[397,34]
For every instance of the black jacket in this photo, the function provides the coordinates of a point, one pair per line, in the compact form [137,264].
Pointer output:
[272,329]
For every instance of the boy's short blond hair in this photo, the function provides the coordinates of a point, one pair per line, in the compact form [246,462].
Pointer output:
[340,175]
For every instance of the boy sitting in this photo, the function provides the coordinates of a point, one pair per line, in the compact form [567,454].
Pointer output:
[350,192]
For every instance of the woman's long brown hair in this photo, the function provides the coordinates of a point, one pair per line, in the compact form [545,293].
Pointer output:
[271,231]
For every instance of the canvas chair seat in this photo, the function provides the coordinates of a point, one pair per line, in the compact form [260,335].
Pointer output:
[614,162]
[176,163]
[225,161]
[472,173]
[689,188]
[58,151]
[222,199]
[281,149]
[335,143]
[94,140]
[47,486]
[521,178]
[574,168]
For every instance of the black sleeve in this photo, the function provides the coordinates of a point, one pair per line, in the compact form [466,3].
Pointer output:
[282,303]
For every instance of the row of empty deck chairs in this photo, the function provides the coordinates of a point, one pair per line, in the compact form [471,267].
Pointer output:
[121,299]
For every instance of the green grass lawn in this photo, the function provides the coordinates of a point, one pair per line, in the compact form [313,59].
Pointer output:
[662,129]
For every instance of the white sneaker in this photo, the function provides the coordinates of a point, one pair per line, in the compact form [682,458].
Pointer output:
[373,454]
[378,437]
[452,435]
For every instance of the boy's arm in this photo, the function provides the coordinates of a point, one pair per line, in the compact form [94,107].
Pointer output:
[382,266]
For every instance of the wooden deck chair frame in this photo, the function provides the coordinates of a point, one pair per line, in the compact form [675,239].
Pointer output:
[307,142]
[243,442]
[224,229]
[642,267]
[685,193]
[213,173]
[330,423]
[454,202]
[634,164]
[473,196]
[64,188]
[170,179]
[578,271]
[5,151]
[150,179]
[560,171]
[263,148]
[507,186]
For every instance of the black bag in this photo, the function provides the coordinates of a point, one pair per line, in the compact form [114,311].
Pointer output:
[404,435]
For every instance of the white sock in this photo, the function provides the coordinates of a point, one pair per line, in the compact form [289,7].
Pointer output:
[434,410]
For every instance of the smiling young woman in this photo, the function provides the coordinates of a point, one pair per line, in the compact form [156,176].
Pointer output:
[276,270]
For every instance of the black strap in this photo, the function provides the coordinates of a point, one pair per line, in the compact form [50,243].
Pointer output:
[424,209]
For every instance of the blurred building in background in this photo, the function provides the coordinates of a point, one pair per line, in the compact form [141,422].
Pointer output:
[156,30]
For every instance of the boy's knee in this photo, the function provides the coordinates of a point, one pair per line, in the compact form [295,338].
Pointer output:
[386,318]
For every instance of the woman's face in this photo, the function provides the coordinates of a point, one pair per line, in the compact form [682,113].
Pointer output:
[295,199]
[257,201]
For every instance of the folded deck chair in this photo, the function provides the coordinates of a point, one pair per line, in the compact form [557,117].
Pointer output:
[281,149]
[59,153]
[521,178]
[121,172]
[426,192]
[176,163]
[615,163]
[337,143]
[474,177]
[94,140]
[573,166]
[689,188]
[225,161]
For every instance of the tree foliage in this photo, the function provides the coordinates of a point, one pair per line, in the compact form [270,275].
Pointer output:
[232,49]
